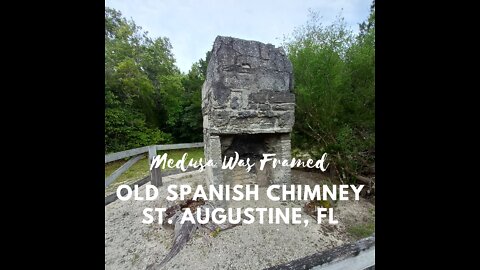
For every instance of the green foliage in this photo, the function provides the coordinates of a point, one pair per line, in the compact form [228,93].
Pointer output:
[334,74]
[147,99]
[361,230]
[126,129]
[190,127]
[369,25]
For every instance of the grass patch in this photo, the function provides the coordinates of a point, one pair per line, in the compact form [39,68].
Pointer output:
[362,230]
[140,169]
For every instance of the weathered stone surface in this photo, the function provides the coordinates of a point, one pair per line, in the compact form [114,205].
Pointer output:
[258,97]
[252,106]
[267,113]
[247,114]
[263,107]
[248,105]
[247,79]
[220,117]
[283,107]
[234,104]
[281,174]
[260,71]
[285,119]
[221,93]
[281,97]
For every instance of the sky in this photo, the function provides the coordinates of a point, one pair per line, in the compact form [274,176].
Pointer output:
[192,25]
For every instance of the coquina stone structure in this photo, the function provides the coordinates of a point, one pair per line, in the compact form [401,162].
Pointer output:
[248,107]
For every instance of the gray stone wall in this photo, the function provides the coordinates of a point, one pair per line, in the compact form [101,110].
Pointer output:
[248,90]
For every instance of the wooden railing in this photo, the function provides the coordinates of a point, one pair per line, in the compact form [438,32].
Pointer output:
[139,153]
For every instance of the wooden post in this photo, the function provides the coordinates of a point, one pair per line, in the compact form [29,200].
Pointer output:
[155,173]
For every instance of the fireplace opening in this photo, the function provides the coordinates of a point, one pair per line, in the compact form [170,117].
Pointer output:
[248,106]
[251,146]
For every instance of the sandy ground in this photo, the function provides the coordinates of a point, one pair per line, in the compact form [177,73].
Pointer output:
[129,244]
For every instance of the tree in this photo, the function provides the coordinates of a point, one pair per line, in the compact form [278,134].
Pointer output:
[335,91]
[142,86]
[369,25]
[191,126]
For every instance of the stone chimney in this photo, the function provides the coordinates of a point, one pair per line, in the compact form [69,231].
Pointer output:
[248,107]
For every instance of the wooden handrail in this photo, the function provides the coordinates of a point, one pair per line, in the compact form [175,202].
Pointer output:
[125,154]
[179,146]
[137,151]
[122,169]
[155,175]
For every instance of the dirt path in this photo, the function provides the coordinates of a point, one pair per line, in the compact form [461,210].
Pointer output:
[129,244]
